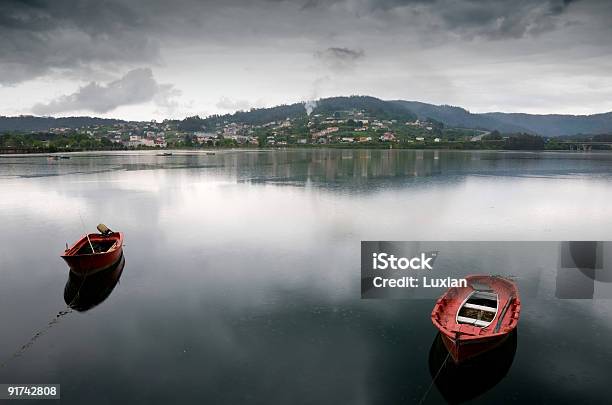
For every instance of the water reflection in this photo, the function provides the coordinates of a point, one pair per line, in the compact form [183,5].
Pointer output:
[328,168]
[258,284]
[462,382]
[84,293]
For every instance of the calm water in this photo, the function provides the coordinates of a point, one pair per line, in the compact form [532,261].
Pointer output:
[241,281]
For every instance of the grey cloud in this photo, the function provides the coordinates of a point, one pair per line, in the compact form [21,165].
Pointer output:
[15,72]
[503,19]
[38,37]
[492,19]
[42,36]
[470,52]
[137,86]
[340,59]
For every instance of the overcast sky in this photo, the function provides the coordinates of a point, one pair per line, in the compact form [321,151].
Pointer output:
[155,59]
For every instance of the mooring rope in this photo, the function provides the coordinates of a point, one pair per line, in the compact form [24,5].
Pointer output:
[433,380]
[67,310]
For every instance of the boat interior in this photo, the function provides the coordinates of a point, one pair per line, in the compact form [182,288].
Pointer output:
[479,309]
[100,246]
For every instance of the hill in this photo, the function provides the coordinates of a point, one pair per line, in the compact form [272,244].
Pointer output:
[459,117]
[547,125]
[400,110]
[557,124]
[372,106]
[451,116]
[28,123]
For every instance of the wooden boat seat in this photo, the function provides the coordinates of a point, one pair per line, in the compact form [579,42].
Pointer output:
[479,307]
[484,295]
[472,321]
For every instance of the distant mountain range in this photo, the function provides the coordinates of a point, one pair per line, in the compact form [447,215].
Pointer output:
[459,117]
[557,124]
[547,125]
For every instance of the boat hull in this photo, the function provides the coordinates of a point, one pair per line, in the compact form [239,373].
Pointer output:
[460,383]
[90,263]
[461,351]
[82,293]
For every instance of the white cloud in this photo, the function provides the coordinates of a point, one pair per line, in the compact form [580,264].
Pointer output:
[228,104]
[135,87]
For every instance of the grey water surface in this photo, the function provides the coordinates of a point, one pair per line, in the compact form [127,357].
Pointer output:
[241,281]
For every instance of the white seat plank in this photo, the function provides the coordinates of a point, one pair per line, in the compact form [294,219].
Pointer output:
[480,307]
[472,321]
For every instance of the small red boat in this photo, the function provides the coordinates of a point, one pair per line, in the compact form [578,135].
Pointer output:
[95,252]
[477,318]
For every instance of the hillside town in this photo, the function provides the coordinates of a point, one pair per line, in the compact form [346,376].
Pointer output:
[337,122]
[344,127]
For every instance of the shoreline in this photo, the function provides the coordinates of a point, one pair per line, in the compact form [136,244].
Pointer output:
[301,147]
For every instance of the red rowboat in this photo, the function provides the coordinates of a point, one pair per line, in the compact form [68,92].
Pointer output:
[477,318]
[107,250]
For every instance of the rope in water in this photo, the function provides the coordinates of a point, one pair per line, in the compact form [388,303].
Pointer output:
[55,320]
[67,310]
[433,380]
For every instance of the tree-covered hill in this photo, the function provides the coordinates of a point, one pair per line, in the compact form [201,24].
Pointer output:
[29,123]
[459,117]
[557,124]
[547,125]
[400,110]
[372,106]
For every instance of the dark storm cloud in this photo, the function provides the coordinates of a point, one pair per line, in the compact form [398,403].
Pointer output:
[492,19]
[502,19]
[340,58]
[137,86]
[39,35]
[342,53]
[42,36]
